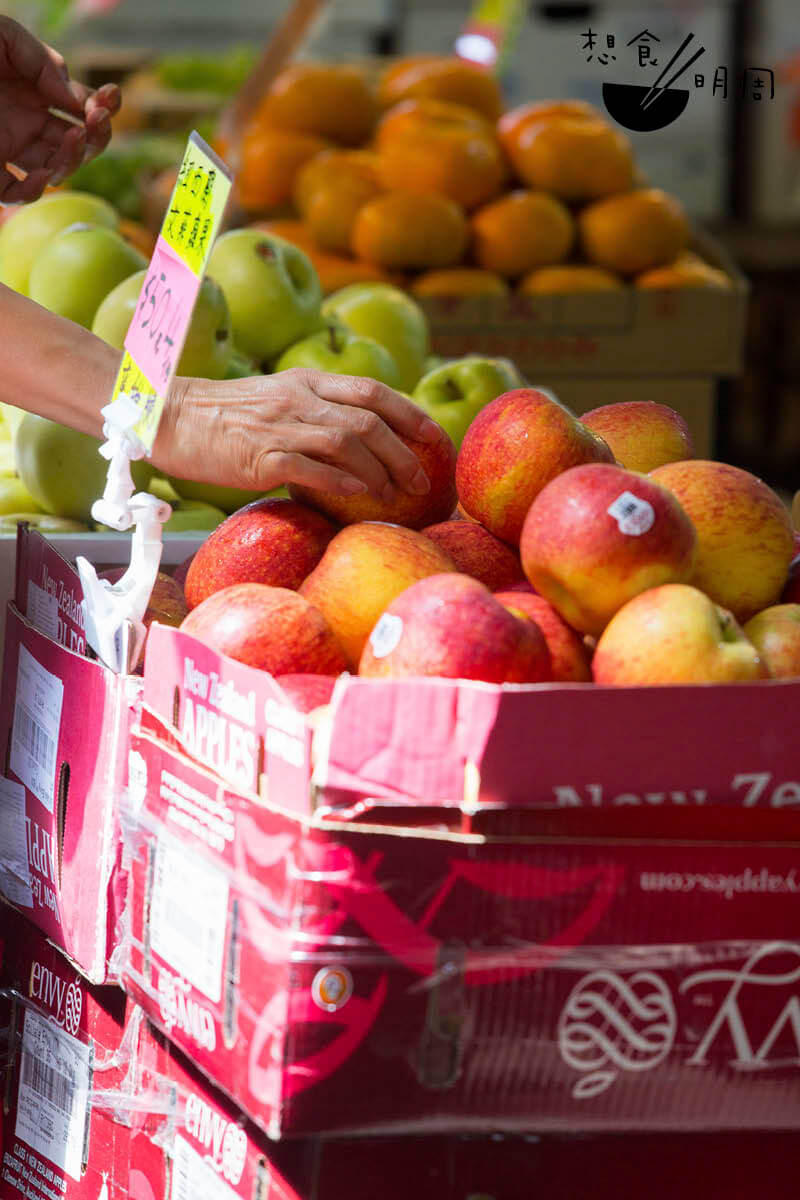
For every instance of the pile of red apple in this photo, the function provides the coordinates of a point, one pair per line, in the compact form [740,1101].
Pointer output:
[547,549]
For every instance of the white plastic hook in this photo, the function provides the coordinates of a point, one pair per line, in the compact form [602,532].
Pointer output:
[113,612]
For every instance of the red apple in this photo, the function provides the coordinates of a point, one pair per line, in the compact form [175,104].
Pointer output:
[744,534]
[181,571]
[273,629]
[364,567]
[674,634]
[452,626]
[641,434]
[271,541]
[478,553]
[775,633]
[570,659]
[598,535]
[438,461]
[307,692]
[516,445]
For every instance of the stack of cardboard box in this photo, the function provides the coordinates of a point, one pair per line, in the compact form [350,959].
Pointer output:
[421,938]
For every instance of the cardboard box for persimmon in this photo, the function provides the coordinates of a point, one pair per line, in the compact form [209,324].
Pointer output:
[630,344]
[660,754]
[64,722]
[346,977]
[61,1043]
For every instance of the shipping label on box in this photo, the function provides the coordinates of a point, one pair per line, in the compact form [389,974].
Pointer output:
[63,727]
[353,978]
[62,1044]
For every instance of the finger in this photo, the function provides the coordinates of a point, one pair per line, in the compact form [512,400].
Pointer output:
[401,414]
[98,132]
[22,191]
[282,467]
[108,96]
[69,155]
[338,446]
[398,460]
[40,66]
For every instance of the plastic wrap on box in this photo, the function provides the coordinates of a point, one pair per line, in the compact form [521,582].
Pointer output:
[339,977]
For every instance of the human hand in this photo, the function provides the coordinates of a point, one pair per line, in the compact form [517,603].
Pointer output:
[34,79]
[334,433]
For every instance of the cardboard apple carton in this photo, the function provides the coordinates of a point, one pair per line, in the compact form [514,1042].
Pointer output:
[62,1043]
[64,722]
[630,344]
[341,976]
[662,758]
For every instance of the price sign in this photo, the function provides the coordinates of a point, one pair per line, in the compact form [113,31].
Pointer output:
[164,308]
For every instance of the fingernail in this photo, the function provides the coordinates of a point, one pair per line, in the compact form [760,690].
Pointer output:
[429,431]
[352,487]
[420,484]
[389,494]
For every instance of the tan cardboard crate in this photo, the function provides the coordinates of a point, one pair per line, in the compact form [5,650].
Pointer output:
[602,348]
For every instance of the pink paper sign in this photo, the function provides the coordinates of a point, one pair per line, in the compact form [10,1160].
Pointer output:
[163,314]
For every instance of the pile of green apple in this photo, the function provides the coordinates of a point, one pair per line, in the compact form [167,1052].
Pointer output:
[259,310]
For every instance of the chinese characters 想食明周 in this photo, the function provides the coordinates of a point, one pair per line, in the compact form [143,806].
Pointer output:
[757,83]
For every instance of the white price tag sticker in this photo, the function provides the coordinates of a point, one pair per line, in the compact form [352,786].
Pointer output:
[193,1177]
[15,876]
[633,515]
[42,610]
[386,635]
[53,1098]
[37,724]
[189,916]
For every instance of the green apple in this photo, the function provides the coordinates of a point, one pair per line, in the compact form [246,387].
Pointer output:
[229,499]
[44,522]
[160,487]
[208,348]
[455,393]
[8,463]
[75,270]
[241,366]
[338,349]
[11,417]
[272,290]
[23,235]
[193,516]
[389,316]
[62,469]
[15,497]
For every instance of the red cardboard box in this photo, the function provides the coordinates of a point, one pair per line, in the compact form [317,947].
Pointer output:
[340,977]
[475,747]
[64,721]
[61,1041]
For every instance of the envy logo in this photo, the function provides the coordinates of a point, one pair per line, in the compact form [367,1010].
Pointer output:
[179,1008]
[224,1142]
[65,1001]
[612,1023]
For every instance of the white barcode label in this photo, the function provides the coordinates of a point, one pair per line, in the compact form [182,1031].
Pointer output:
[386,635]
[189,916]
[193,1177]
[15,876]
[37,724]
[42,610]
[633,515]
[53,1095]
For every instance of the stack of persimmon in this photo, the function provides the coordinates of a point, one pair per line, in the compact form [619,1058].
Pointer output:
[422,177]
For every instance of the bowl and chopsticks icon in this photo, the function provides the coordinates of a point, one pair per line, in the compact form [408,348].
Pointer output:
[646,109]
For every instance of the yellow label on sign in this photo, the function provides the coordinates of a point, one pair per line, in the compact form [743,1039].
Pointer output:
[164,308]
[197,205]
[132,381]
